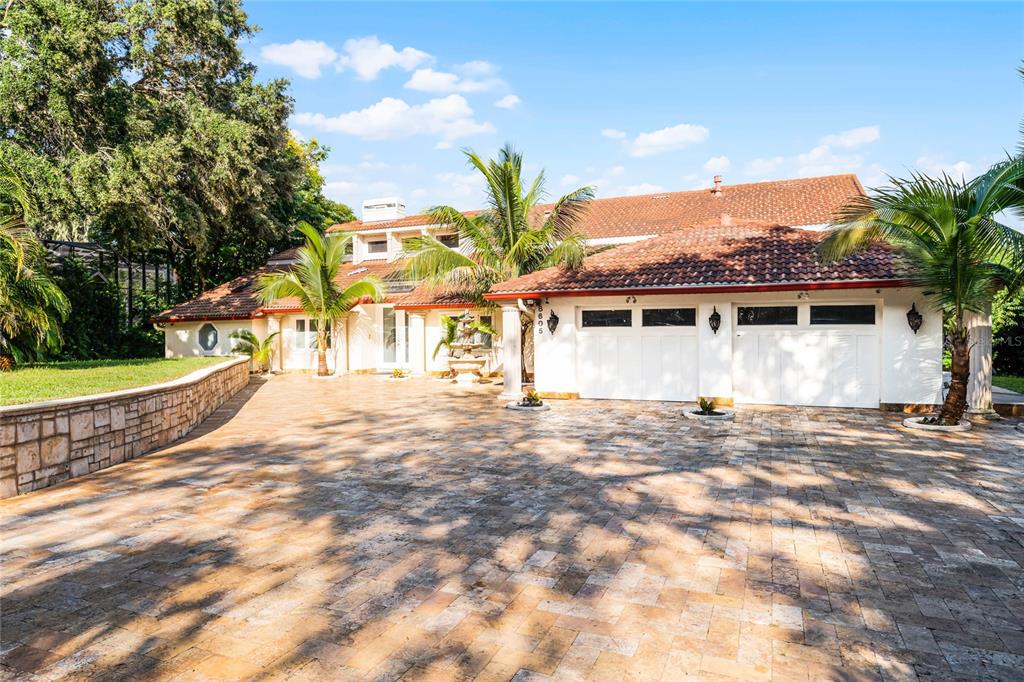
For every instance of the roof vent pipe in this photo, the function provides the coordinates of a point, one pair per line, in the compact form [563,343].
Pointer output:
[717,189]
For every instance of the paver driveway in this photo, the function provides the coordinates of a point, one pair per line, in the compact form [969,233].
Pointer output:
[369,528]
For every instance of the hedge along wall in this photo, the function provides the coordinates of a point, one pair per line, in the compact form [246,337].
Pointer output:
[42,444]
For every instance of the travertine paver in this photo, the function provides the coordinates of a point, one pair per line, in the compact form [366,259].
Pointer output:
[364,528]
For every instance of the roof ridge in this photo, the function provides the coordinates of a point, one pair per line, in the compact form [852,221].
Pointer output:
[634,197]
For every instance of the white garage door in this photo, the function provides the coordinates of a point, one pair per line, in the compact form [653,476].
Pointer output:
[637,353]
[828,355]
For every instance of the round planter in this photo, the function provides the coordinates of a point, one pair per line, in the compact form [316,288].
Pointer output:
[527,408]
[915,423]
[727,415]
[321,378]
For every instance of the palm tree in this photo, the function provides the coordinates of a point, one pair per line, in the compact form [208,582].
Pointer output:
[32,306]
[955,248]
[511,237]
[259,352]
[312,281]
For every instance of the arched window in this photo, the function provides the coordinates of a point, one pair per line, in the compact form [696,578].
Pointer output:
[208,337]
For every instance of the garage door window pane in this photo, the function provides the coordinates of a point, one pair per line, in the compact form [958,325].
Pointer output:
[762,315]
[607,318]
[670,317]
[842,314]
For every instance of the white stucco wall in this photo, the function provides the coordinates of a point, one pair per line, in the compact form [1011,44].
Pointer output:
[181,339]
[298,356]
[910,365]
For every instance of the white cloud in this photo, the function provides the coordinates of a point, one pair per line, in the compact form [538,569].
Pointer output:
[823,161]
[449,118]
[936,164]
[616,171]
[477,68]
[304,57]
[368,57]
[569,181]
[428,80]
[642,188]
[717,164]
[763,167]
[508,102]
[613,134]
[852,138]
[667,139]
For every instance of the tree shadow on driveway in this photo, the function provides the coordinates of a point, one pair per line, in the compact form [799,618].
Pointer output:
[365,528]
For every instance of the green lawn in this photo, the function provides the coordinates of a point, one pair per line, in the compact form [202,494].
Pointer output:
[1010,383]
[68,379]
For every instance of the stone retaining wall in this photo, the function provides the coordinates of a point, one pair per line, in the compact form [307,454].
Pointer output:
[42,444]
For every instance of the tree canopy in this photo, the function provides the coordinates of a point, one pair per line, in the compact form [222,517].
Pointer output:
[141,125]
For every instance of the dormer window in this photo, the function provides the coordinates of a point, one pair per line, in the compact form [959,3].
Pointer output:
[377,246]
[449,240]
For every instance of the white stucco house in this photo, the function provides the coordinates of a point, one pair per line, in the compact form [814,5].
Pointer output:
[710,293]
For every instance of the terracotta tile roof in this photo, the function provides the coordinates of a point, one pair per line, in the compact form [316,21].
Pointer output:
[433,296]
[238,300]
[806,201]
[350,274]
[234,300]
[742,253]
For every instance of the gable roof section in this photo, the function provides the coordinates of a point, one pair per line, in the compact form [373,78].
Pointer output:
[741,255]
[239,300]
[806,201]
[349,274]
[233,300]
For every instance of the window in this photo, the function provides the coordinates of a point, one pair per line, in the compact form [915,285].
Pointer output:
[305,334]
[761,315]
[485,339]
[208,337]
[670,317]
[608,318]
[449,240]
[842,314]
[378,246]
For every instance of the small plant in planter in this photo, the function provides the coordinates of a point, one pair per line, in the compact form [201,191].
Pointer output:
[530,402]
[707,407]
[400,373]
[706,411]
[531,399]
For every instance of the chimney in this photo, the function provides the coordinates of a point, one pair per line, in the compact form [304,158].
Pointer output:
[387,208]
[726,219]
[717,189]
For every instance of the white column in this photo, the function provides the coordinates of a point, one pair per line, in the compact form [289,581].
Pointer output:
[979,385]
[417,343]
[511,347]
[400,338]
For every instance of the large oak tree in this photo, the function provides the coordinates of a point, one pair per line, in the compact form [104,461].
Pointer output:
[141,125]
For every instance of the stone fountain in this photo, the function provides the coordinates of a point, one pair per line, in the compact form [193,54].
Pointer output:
[466,359]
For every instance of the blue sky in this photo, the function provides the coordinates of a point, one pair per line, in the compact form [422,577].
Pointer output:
[638,98]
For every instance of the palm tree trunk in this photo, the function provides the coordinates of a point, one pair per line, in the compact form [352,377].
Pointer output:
[955,405]
[321,353]
[525,324]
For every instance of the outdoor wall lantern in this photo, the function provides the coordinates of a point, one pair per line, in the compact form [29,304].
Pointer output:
[914,318]
[552,321]
[715,319]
